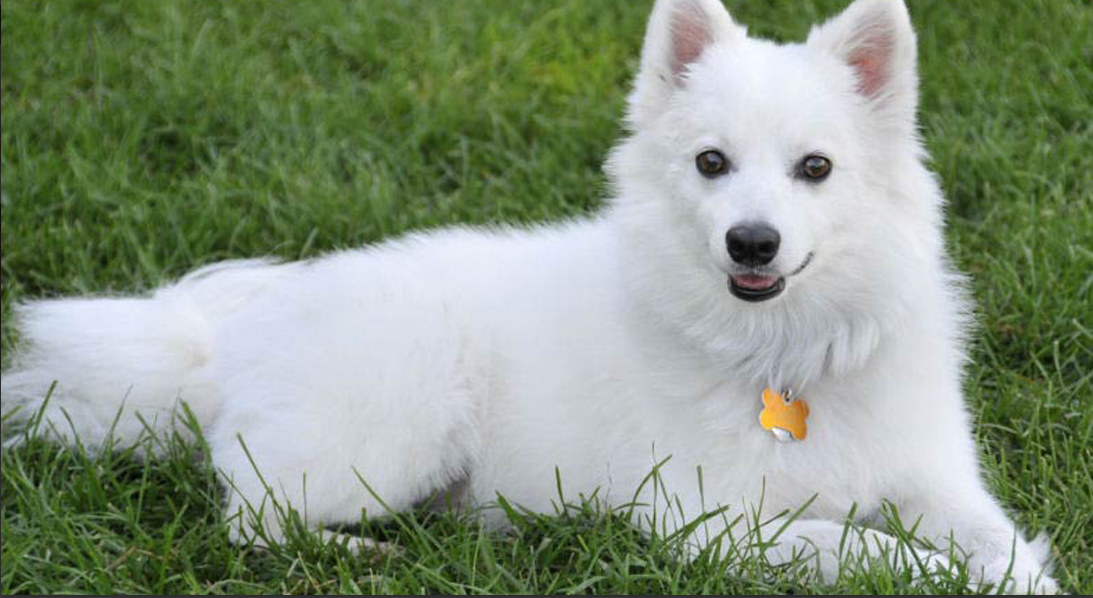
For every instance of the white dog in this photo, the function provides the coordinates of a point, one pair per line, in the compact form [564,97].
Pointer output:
[766,297]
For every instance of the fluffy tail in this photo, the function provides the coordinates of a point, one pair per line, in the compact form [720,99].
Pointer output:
[118,365]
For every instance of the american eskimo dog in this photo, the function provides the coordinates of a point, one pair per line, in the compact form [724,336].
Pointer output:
[766,298]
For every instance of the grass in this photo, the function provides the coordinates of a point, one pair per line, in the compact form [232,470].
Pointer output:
[142,139]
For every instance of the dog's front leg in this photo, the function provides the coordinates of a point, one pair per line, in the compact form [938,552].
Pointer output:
[960,514]
[822,548]
[828,548]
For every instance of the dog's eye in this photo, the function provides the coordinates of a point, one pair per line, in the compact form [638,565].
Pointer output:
[711,163]
[814,168]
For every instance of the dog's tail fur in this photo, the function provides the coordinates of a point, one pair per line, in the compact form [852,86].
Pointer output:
[104,369]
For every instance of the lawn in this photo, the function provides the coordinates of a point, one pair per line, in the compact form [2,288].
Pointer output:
[143,139]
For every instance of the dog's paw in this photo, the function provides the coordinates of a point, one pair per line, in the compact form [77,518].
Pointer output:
[361,545]
[1041,586]
[1021,576]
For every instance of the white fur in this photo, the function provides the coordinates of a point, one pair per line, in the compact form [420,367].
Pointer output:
[485,359]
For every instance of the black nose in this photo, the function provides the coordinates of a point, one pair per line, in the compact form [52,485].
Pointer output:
[753,244]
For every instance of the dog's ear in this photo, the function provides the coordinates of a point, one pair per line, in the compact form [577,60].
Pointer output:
[876,39]
[679,31]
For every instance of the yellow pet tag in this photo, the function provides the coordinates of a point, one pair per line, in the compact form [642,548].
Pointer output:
[784,416]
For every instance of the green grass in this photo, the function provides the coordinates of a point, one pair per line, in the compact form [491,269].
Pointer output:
[142,139]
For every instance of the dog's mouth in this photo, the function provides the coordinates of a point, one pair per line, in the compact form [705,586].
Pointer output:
[756,286]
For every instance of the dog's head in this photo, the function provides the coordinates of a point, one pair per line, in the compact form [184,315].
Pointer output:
[773,179]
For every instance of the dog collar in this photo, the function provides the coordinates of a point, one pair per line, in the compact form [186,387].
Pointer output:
[783,415]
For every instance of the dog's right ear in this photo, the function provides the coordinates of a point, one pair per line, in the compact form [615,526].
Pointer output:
[679,31]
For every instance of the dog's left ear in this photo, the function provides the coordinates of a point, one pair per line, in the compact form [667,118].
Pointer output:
[679,31]
[875,38]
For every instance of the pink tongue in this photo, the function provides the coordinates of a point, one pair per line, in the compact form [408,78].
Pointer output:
[754,282]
